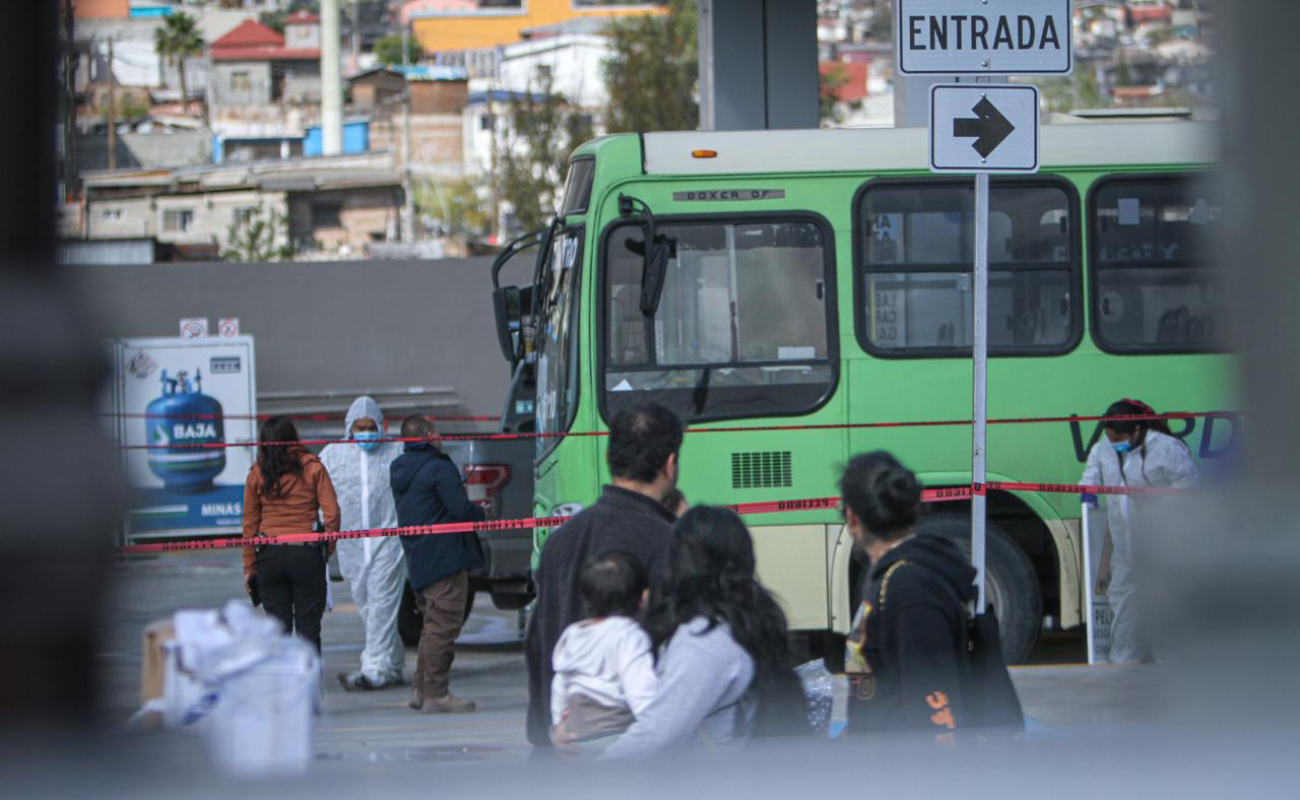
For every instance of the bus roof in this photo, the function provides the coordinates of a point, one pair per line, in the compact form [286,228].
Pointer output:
[868,149]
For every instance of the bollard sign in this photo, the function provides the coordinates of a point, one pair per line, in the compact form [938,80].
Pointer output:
[983,37]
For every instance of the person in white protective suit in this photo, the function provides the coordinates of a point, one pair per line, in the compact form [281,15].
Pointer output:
[374,567]
[1133,453]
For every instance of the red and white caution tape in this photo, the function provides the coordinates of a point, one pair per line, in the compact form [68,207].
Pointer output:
[946,494]
[465,437]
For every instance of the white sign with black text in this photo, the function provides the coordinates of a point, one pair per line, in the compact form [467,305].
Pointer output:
[983,37]
[984,128]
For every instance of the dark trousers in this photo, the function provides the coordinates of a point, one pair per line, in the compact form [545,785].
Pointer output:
[291,580]
[442,604]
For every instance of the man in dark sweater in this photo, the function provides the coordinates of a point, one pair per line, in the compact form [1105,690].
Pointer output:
[629,516]
[428,490]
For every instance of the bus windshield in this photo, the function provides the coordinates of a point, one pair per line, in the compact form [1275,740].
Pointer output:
[742,326]
[557,344]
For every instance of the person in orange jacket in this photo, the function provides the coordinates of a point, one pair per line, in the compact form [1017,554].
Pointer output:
[288,491]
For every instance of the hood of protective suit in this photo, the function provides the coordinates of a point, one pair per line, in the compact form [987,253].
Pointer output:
[361,478]
[363,406]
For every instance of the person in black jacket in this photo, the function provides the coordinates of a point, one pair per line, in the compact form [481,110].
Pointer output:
[629,516]
[905,656]
[428,490]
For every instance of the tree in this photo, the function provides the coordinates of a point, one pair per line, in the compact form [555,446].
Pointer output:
[1080,90]
[533,153]
[258,235]
[275,19]
[459,206]
[652,75]
[176,40]
[828,92]
[389,50]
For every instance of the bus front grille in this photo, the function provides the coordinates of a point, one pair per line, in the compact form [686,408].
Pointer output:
[762,470]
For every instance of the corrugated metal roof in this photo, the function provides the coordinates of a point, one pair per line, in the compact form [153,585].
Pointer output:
[107,252]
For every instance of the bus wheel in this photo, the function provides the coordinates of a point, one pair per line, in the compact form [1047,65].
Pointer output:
[1012,586]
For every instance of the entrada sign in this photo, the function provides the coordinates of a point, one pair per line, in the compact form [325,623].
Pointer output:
[983,37]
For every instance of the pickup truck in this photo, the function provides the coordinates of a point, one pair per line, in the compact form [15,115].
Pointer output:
[499,472]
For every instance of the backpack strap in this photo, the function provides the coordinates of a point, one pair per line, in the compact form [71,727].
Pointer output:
[884,581]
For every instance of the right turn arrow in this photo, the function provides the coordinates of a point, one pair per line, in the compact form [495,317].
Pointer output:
[989,129]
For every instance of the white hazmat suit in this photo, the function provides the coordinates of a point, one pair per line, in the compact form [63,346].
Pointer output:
[1160,461]
[374,567]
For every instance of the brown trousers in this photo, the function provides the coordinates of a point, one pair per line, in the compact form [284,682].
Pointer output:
[442,604]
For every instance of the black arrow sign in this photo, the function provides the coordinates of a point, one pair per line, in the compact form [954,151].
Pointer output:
[989,129]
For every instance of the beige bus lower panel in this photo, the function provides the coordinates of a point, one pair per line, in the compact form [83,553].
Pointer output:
[792,565]
[1067,536]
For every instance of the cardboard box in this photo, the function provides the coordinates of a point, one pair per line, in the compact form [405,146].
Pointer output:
[154,669]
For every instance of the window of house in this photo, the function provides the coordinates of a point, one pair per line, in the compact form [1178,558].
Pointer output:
[544,72]
[110,214]
[243,216]
[743,326]
[916,255]
[178,220]
[485,122]
[241,83]
[1156,283]
[327,215]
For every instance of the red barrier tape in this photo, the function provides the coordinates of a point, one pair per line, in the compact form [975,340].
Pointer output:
[946,494]
[296,417]
[466,437]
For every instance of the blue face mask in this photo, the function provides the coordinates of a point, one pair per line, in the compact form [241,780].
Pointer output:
[1122,447]
[366,440]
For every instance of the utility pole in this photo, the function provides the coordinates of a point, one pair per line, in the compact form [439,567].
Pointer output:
[112,111]
[331,104]
[408,190]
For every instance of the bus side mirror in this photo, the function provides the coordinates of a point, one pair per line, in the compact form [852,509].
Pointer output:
[652,279]
[510,304]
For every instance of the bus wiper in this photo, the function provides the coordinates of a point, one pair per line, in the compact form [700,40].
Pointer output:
[655,269]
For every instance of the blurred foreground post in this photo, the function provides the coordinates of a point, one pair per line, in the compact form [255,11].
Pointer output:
[57,473]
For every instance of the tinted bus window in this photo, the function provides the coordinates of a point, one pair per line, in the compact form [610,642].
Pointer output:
[1156,286]
[577,187]
[742,326]
[916,251]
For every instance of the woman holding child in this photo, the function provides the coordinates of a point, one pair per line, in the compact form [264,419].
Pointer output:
[719,639]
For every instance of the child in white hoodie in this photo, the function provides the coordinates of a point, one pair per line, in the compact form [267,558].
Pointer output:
[604,668]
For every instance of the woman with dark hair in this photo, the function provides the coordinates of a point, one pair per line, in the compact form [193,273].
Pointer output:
[905,655]
[721,645]
[288,491]
[1135,452]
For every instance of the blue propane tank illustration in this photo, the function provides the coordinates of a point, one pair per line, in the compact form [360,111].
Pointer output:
[184,415]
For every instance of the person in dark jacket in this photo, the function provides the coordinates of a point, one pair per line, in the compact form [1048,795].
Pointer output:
[905,655]
[428,490]
[629,516]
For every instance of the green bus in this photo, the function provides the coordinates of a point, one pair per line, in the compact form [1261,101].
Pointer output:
[823,277]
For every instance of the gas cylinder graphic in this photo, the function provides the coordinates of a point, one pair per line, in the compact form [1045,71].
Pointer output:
[183,415]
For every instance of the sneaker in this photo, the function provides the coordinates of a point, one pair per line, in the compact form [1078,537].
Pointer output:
[356,682]
[451,704]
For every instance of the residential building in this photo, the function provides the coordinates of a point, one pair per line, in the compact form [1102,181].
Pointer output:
[572,64]
[101,9]
[255,68]
[332,206]
[456,25]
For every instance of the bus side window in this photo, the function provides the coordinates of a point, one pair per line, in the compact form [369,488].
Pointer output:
[1156,286]
[917,257]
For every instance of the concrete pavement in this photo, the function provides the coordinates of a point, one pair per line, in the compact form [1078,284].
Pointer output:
[378,728]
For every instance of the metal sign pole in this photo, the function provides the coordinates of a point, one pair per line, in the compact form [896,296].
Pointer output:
[979,430]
